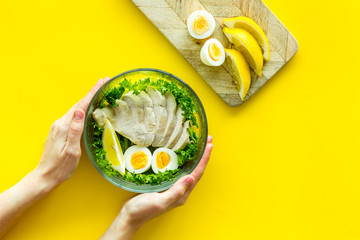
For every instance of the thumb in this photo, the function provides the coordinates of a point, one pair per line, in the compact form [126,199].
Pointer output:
[75,130]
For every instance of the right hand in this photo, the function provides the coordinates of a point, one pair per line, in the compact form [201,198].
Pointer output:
[144,207]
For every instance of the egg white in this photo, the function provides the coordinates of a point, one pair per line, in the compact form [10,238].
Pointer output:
[205,56]
[173,163]
[128,154]
[210,19]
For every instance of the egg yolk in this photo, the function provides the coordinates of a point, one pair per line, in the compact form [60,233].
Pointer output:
[214,52]
[162,159]
[139,160]
[200,25]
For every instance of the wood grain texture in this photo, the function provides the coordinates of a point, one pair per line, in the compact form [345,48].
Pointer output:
[170,16]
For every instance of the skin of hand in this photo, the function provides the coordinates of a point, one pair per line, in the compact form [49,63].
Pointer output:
[138,210]
[62,147]
[59,160]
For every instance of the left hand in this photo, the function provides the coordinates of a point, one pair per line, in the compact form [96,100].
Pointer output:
[59,160]
[62,147]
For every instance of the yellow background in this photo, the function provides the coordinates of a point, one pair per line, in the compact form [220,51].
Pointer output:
[285,164]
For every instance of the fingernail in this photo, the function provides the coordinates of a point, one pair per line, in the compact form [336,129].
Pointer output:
[79,115]
[210,138]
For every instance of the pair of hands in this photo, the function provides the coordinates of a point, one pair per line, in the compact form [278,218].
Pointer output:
[61,156]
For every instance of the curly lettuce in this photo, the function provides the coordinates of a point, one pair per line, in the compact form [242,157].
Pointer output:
[110,96]
[183,99]
[105,165]
[189,152]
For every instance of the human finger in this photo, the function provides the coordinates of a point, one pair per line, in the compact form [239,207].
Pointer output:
[197,174]
[74,134]
[177,190]
[83,103]
[199,170]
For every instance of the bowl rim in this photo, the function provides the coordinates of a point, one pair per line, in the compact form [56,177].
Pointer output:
[86,143]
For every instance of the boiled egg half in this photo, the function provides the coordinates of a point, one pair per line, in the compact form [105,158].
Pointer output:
[212,53]
[201,24]
[164,159]
[137,159]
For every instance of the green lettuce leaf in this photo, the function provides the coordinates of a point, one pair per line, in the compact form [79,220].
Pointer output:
[183,99]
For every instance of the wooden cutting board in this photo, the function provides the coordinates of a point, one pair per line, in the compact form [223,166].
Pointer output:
[170,16]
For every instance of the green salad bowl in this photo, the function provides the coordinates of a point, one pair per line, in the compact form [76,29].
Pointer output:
[135,75]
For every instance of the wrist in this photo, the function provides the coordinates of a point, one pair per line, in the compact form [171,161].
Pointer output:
[46,178]
[40,183]
[123,228]
[31,188]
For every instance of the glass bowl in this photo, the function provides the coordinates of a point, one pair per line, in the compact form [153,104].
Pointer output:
[135,75]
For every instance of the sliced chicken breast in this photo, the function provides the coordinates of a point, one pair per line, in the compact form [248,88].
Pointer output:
[184,138]
[101,114]
[137,110]
[149,118]
[174,138]
[121,119]
[171,120]
[159,102]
